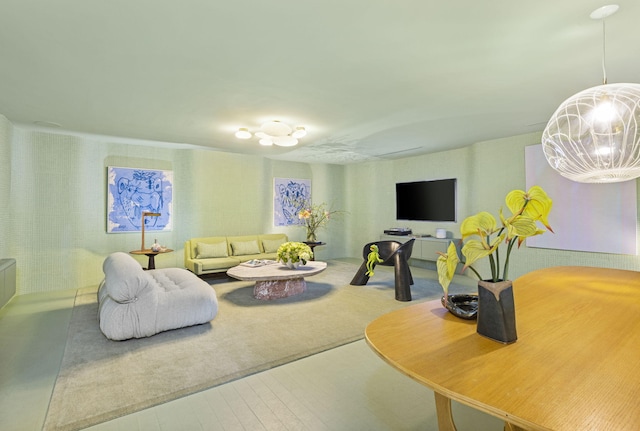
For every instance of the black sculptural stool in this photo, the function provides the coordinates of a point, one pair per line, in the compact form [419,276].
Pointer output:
[392,253]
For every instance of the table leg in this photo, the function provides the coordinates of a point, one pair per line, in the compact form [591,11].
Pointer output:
[511,427]
[443,412]
[445,417]
[152,261]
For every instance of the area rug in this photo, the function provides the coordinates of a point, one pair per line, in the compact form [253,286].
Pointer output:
[101,379]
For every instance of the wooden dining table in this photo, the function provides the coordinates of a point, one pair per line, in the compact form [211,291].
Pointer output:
[574,367]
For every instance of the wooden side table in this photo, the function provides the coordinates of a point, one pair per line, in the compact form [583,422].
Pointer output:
[151,255]
[313,245]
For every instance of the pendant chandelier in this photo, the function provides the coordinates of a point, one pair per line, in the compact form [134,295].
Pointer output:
[594,136]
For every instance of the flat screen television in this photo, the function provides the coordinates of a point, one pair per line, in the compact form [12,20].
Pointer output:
[433,200]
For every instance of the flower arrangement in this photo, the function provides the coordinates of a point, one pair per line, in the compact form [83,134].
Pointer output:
[315,217]
[528,208]
[294,252]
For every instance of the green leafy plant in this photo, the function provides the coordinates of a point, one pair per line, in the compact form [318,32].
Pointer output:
[527,208]
[294,252]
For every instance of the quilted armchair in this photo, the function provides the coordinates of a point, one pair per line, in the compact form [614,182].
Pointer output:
[134,303]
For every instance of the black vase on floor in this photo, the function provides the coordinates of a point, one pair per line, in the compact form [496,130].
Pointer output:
[496,311]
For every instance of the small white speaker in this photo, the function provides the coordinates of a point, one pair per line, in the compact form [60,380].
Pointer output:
[441,233]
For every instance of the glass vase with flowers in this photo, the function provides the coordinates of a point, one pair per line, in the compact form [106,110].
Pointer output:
[315,217]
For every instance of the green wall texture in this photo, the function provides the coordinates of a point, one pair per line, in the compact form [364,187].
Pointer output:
[53,200]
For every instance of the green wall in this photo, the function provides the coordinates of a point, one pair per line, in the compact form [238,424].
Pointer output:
[54,216]
[5,186]
[486,172]
[53,200]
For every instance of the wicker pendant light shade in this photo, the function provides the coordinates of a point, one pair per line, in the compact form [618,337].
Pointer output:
[594,136]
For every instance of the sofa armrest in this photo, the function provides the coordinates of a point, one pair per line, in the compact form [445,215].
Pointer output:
[188,258]
[124,278]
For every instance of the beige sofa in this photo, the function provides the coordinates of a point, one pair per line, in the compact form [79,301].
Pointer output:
[216,254]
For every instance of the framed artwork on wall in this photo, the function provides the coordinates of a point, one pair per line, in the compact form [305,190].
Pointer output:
[132,191]
[290,196]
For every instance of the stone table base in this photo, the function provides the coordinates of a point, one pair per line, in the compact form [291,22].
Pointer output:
[276,289]
[275,280]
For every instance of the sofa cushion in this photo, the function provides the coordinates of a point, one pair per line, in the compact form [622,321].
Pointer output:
[272,245]
[191,246]
[218,263]
[187,300]
[240,248]
[206,251]
[261,256]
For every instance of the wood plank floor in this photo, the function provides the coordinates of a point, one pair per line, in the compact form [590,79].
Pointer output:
[347,388]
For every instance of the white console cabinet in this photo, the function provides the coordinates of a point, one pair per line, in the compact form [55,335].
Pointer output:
[425,248]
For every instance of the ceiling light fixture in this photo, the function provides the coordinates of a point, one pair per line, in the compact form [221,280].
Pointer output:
[300,132]
[243,133]
[275,132]
[594,136]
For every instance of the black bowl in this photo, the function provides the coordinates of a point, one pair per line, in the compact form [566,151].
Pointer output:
[464,306]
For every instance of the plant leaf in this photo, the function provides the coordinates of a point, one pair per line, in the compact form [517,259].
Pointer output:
[474,250]
[482,224]
[446,265]
[523,226]
[535,203]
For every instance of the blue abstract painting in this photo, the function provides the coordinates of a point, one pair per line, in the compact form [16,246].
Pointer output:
[130,192]
[290,196]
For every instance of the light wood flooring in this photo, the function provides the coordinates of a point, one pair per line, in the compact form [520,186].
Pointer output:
[347,388]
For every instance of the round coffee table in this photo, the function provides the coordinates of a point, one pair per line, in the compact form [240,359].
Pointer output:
[276,280]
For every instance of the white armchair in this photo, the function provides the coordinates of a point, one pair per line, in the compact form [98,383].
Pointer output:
[134,303]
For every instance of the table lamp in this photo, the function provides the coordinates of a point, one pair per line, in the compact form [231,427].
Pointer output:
[146,214]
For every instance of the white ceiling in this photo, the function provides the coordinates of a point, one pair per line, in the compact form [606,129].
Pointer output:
[369,79]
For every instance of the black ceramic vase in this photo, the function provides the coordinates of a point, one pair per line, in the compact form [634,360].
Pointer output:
[496,311]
